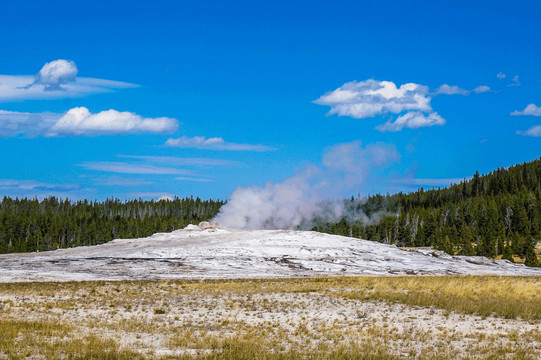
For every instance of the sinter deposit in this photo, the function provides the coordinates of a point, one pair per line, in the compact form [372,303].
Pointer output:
[208,250]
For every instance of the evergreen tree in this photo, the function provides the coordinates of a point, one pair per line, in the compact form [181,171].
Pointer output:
[530,255]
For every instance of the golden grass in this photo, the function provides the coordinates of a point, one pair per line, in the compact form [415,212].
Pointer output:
[23,339]
[304,318]
[508,297]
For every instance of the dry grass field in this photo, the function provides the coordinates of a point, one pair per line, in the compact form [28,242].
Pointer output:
[303,318]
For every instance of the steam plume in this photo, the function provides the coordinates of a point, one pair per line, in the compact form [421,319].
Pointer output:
[298,200]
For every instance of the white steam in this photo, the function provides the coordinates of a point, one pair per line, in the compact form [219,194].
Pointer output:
[298,200]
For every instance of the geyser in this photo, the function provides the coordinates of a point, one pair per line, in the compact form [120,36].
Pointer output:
[303,197]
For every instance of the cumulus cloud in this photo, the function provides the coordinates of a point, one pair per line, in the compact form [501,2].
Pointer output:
[215,143]
[80,121]
[531,109]
[55,73]
[370,98]
[56,79]
[297,200]
[534,131]
[128,168]
[412,120]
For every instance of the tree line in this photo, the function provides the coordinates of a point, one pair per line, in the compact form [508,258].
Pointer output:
[28,225]
[494,214]
[497,214]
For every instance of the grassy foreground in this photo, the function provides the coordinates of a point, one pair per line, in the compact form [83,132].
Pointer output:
[308,318]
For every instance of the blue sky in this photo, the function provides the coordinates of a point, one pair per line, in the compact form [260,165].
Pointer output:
[145,99]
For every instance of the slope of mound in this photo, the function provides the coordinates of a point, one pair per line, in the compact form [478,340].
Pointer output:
[209,251]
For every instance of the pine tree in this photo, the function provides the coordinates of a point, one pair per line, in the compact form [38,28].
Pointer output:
[530,256]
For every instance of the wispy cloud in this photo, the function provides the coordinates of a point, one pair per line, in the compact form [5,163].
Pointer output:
[451,90]
[481,89]
[215,143]
[457,90]
[119,181]
[412,120]
[127,168]
[531,109]
[183,161]
[56,79]
[193,179]
[36,185]
[500,75]
[152,195]
[515,81]
[534,131]
[81,122]
[14,123]
[432,182]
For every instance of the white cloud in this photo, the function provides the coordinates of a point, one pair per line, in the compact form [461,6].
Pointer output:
[80,121]
[171,160]
[152,196]
[193,179]
[36,186]
[515,81]
[531,109]
[481,89]
[215,143]
[370,98]
[429,182]
[119,181]
[56,79]
[534,131]
[451,90]
[412,120]
[13,123]
[55,73]
[456,90]
[127,168]
[500,75]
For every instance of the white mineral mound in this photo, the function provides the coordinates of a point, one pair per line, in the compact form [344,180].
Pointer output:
[208,250]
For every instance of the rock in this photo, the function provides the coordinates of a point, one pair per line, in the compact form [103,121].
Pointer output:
[205,225]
